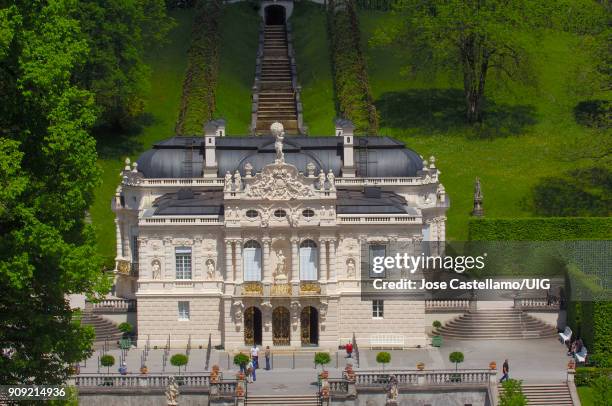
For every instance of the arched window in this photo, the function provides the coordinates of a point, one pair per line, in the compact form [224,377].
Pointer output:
[308,260]
[251,260]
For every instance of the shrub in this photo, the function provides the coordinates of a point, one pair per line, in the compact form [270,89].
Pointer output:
[436,324]
[322,358]
[241,359]
[125,328]
[178,360]
[456,357]
[602,391]
[383,358]
[107,361]
[512,395]
[586,375]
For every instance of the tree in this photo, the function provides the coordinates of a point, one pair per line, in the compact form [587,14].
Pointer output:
[456,357]
[512,394]
[322,358]
[241,360]
[48,171]
[126,328]
[107,361]
[178,360]
[118,32]
[480,37]
[383,358]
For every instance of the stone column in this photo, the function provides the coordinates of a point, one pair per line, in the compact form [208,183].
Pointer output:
[239,271]
[322,260]
[267,260]
[229,271]
[295,263]
[332,260]
[118,236]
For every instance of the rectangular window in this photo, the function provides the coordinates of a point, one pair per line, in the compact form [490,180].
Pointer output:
[183,262]
[183,310]
[378,309]
[376,251]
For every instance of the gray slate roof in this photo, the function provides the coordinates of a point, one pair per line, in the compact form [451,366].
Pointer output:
[180,157]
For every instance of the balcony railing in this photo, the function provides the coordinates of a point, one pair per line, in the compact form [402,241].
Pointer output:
[133,381]
[448,305]
[545,304]
[112,305]
[252,289]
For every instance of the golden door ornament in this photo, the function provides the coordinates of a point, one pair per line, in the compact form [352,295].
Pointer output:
[281,334]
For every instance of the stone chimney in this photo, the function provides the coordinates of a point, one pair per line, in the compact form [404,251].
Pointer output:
[212,130]
[344,129]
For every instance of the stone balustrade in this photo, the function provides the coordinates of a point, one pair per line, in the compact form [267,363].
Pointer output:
[139,381]
[448,305]
[216,220]
[414,377]
[112,305]
[537,303]
[357,219]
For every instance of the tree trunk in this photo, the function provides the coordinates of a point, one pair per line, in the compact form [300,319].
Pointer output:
[475,59]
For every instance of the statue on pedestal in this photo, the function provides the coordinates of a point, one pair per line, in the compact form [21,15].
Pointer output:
[392,392]
[280,274]
[172,392]
[478,210]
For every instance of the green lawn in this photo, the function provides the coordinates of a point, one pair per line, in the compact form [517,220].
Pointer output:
[168,65]
[585,393]
[314,67]
[238,49]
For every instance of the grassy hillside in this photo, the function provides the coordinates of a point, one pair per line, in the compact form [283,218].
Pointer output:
[530,133]
[238,49]
[168,65]
[314,67]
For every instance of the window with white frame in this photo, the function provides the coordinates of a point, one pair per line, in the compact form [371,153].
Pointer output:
[308,260]
[183,310]
[378,309]
[376,250]
[251,261]
[183,262]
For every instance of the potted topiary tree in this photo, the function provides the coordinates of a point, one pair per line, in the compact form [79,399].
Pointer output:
[436,341]
[241,360]
[125,342]
[456,357]
[383,358]
[179,360]
[322,358]
[107,361]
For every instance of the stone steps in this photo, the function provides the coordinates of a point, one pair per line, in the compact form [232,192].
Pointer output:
[545,394]
[104,329]
[291,400]
[496,324]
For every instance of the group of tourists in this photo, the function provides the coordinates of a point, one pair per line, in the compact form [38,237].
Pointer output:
[250,369]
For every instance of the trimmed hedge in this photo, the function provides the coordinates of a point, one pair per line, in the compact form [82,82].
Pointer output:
[540,229]
[586,375]
[199,86]
[352,90]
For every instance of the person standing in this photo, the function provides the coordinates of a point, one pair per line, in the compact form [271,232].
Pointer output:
[349,350]
[255,356]
[505,371]
[123,369]
[267,355]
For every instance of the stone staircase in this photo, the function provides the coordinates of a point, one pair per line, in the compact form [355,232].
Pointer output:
[105,329]
[289,400]
[276,96]
[552,394]
[498,324]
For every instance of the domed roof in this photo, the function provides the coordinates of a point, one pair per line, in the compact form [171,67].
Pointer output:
[180,157]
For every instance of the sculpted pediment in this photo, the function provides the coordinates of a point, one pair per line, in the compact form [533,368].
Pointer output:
[279,181]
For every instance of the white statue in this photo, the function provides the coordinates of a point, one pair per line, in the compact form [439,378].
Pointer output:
[350,268]
[310,167]
[210,269]
[392,391]
[322,180]
[156,269]
[228,181]
[237,181]
[248,169]
[330,179]
[278,131]
[172,392]
[280,274]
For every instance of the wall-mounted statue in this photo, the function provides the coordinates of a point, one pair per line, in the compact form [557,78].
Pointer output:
[156,269]
[350,268]
[280,274]
[210,269]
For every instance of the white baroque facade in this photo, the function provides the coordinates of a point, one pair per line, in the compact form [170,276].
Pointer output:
[265,238]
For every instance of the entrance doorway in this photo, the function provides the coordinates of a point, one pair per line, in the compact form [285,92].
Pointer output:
[252,326]
[309,319]
[281,332]
[275,15]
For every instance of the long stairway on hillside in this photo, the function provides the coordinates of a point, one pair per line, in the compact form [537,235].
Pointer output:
[275,96]
[552,394]
[496,324]
[286,400]
[105,329]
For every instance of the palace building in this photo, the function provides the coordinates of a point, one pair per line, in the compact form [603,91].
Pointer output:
[264,238]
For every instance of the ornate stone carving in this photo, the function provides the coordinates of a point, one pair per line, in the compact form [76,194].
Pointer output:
[228,182]
[323,313]
[279,182]
[172,392]
[237,181]
[310,168]
[478,210]
[350,268]
[248,170]
[295,312]
[441,193]
[331,179]
[321,180]
[280,273]
[156,269]
[392,391]
[266,307]
[279,132]
[237,310]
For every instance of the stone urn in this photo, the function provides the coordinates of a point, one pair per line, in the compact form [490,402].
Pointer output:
[349,373]
[214,374]
[324,375]
[571,364]
[144,370]
[492,365]
[240,376]
[239,391]
[420,366]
